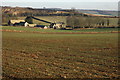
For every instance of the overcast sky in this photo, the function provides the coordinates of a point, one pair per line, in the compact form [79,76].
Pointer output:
[59,0]
[67,4]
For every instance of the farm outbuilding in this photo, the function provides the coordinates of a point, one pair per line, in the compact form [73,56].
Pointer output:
[59,25]
[16,22]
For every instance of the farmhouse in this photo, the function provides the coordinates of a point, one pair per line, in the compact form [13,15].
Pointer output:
[16,22]
[59,25]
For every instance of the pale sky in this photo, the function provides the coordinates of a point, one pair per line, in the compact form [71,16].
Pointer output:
[67,4]
[60,0]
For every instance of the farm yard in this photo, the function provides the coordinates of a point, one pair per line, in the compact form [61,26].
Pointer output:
[37,55]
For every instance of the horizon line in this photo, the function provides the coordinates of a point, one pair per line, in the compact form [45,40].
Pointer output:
[58,8]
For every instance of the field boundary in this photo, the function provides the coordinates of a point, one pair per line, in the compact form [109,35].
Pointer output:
[20,31]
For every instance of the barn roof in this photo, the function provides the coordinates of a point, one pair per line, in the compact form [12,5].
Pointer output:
[16,21]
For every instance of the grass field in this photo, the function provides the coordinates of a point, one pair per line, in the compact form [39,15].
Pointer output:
[52,30]
[48,18]
[34,55]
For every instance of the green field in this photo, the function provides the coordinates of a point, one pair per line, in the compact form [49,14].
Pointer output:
[57,31]
[47,18]
[35,55]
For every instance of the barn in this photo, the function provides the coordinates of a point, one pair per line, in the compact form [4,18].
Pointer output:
[16,22]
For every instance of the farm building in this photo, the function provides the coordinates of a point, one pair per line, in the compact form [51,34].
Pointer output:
[29,25]
[16,22]
[59,25]
[20,23]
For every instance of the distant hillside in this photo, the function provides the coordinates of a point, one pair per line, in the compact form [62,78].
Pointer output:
[25,11]
[21,11]
[99,12]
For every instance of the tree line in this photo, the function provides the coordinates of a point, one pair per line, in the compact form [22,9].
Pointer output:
[88,22]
